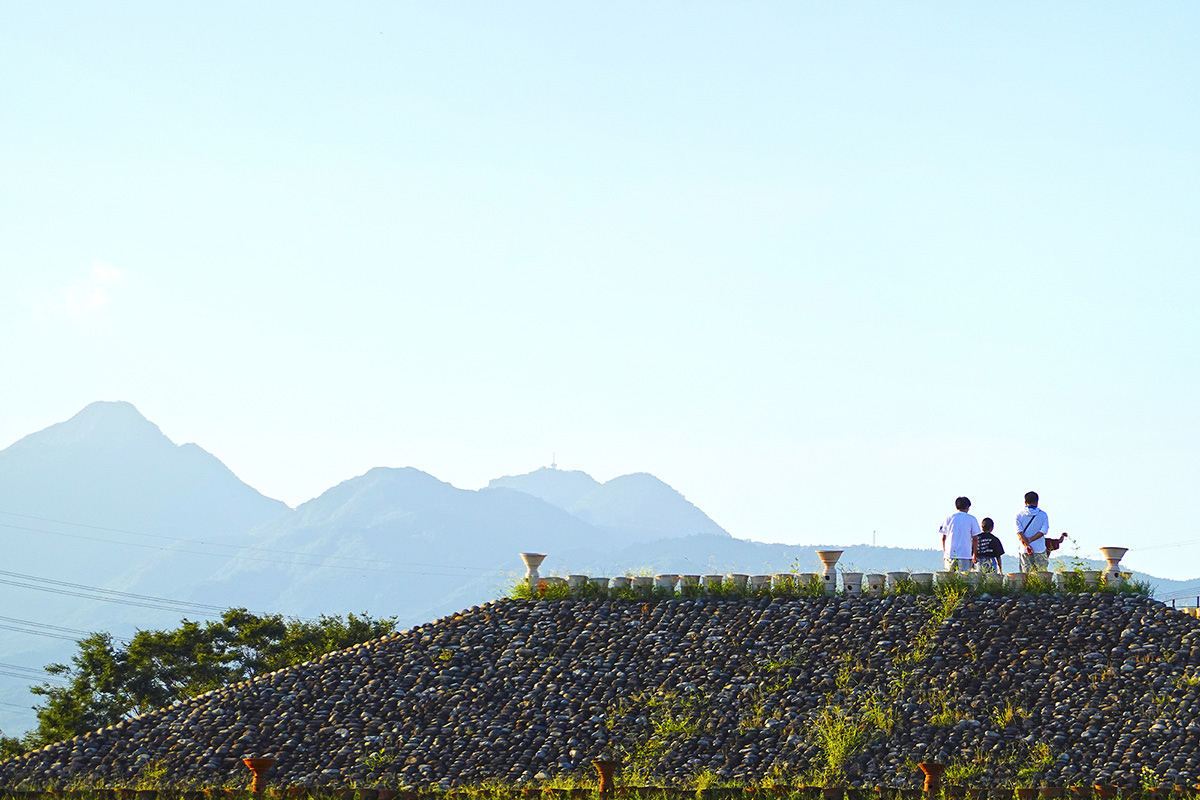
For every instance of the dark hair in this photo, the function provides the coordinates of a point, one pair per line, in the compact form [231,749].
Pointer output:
[962,504]
[987,524]
[1031,499]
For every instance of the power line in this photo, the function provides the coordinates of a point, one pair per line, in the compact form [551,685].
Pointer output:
[125,598]
[47,630]
[34,670]
[86,596]
[46,625]
[64,637]
[1171,544]
[365,560]
[22,676]
[1193,591]
[108,595]
[321,559]
[15,705]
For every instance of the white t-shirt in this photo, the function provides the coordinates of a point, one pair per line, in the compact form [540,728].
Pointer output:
[959,529]
[1038,521]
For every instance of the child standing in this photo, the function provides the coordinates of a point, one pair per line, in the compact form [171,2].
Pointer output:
[987,555]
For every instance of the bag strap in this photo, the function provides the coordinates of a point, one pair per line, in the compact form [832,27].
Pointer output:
[1020,556]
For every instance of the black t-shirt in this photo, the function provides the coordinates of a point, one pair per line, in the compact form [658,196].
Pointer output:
[989,546]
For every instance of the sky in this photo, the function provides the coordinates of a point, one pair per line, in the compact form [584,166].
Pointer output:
[821,267]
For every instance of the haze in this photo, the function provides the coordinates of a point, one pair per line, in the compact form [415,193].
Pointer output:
[820,268]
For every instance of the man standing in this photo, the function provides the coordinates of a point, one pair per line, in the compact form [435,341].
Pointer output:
[960,537]
[1032,526]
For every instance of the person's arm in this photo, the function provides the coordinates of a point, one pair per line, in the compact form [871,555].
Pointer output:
[1025,542]
[1021,534]
[1043,528]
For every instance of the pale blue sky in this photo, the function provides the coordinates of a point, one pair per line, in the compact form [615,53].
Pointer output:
[821,267]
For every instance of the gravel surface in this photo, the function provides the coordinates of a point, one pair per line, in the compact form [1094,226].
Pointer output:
[1088,688]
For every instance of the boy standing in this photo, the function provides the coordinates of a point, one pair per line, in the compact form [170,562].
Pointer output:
[960,534]
[989,550]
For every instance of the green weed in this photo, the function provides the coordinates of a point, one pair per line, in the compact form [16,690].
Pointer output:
[1007,715]
[840,737]
[879,715]
[646,728]
[545,591]
[1036,584]
[962,771]
[151,775]
[1189,681]
[945,715]
[376,760]
[1033,762]
[949,598]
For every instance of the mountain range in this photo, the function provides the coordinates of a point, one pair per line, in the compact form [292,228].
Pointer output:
[106,501]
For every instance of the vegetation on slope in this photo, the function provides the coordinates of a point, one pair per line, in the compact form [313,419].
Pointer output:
[108,681]
[1062,688]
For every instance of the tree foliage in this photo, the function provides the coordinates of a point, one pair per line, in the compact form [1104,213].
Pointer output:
[107,682]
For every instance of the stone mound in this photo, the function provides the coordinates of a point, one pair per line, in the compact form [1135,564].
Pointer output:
[1049,689]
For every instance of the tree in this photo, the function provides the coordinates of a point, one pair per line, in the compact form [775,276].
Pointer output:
[11,747]
[108,682]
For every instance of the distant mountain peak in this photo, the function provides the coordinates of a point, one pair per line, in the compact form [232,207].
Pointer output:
[110,408]
[104,422]
[108,465]
[642,502]
[638,504]
[558,487]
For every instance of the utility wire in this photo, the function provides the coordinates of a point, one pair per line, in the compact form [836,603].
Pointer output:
[47,630]
[1193,591]
[1171,544]
[34,670]
[45,625]
[172,605]
[321,559]
[14,705]
[122,601]
[64,637]
[28,677]
[113,594]
[234,547]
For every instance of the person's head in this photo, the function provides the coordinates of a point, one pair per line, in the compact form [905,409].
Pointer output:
[962,504]
[1031,499]
[986,524]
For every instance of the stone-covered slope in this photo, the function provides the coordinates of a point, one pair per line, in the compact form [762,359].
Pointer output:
[1092,688]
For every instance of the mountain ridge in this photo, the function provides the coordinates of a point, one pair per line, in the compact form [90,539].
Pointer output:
[121,506]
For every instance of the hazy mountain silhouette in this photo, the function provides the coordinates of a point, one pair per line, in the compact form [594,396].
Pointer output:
[110,467]
[558,487]
[394,542]
[95,499]
[105,499]
[636,507]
